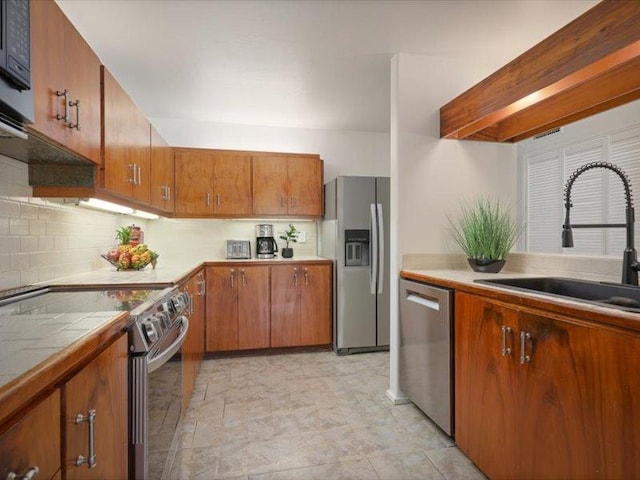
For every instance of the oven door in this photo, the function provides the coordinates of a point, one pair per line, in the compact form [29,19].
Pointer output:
[156,404]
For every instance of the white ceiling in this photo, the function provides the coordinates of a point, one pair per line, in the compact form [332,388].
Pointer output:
[309,64]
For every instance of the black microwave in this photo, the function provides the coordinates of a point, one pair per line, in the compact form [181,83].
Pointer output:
[15,43]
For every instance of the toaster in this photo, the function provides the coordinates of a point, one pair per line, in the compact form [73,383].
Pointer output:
[238,249]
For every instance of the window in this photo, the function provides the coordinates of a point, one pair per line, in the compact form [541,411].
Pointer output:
[597,195]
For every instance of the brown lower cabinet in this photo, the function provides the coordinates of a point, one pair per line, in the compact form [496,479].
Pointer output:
[544,396]
[238,316]
[98,394]
[300,305]
[193,347]
[263,306]
[33,442]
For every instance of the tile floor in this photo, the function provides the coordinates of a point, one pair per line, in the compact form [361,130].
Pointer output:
[309,416]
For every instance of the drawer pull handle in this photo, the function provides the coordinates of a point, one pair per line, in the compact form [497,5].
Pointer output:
[505,350]
[64,93]
[28,475]
[77,124]
[524,337]
[91,461]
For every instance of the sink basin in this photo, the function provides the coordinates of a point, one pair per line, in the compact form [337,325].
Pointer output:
[623,297]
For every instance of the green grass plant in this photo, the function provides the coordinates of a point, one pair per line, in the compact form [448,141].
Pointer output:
[485,229]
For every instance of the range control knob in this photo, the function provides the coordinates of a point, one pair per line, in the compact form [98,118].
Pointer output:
[180,301]
[149,331]
[158,323]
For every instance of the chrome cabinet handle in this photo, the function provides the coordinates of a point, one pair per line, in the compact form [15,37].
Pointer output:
[218,199]
[28,475]
[524,337]
[163,196]
[139,175]
[208,199]
[295,277]
[190,303]
[132,178]
[233,274]
[77,124]
[505,350]
[64,93]
[306,277]
[168,193]
[91,461]
[244,278]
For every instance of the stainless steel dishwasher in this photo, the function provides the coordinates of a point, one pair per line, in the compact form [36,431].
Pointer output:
[426,352]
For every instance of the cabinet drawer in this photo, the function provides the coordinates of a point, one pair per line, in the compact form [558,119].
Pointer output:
[34,441]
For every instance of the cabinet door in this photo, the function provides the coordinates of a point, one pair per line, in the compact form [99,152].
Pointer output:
[222,309]
[82,77]
[617,406]
[162,177]
[316,305]
[232,180]
[486,385]
[194,183]
[193,347]
[285,306]
[557,396]
[270,195]
[253,308]
[34,441]
[305,186]
[126,144]
[48,68]
[199,317]
[101,386]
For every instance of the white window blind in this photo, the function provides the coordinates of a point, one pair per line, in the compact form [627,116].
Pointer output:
[597,195]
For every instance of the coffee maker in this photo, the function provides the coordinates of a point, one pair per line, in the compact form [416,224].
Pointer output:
[266,246]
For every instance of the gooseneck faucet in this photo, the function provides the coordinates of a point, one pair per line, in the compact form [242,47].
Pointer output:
[630,265]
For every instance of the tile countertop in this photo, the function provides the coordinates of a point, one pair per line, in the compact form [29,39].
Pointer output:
[164,274]
[463,280]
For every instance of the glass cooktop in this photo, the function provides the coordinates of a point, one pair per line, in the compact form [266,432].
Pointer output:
[46,301]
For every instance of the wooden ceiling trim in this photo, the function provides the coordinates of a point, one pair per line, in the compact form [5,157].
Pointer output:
[597,43]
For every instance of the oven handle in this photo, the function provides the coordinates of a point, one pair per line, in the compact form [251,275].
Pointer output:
[163,357]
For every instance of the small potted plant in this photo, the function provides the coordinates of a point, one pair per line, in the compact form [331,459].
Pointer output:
[486,232]
[289,235]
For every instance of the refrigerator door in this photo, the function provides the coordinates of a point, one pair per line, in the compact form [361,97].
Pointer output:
[383,307]
[356,305]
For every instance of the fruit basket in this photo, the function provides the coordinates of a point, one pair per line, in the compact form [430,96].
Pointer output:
[131,257]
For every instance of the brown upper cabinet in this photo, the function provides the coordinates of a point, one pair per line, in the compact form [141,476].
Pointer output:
[287,185]
[212,183]
[589,66]
[65,82]
[162,177]
[126,140]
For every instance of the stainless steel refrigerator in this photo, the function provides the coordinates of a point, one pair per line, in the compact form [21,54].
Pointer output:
[355,235]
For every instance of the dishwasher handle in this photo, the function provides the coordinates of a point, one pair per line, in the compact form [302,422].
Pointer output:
[425,302]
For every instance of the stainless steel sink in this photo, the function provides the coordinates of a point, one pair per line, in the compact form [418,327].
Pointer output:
[623,297]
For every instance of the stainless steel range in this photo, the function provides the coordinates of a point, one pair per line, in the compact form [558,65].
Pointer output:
[155,339]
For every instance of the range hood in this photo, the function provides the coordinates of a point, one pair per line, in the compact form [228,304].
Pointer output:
[588,66]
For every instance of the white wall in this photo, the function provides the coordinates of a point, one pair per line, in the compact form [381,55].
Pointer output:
[429,175]
[343,152]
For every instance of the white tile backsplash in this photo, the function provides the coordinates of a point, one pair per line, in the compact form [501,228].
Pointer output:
[41,240]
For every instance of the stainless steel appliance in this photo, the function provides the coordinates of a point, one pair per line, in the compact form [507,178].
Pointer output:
[266,246]
[238,249]
[426,353]
[155,339]
[16,97]
[355,234]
